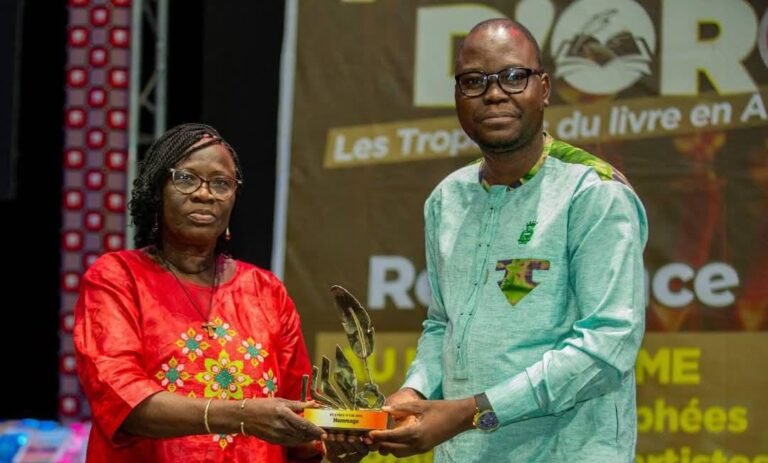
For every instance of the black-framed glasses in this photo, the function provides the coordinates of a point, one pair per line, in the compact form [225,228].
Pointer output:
[220,186]
[511,80]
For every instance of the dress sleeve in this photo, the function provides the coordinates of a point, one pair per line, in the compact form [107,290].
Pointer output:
[606,237]
[109,346]
[293,356]
[426,371]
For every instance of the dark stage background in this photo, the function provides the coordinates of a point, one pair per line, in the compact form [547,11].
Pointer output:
[206,72]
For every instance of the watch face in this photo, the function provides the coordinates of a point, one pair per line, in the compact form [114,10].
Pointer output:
[487,421]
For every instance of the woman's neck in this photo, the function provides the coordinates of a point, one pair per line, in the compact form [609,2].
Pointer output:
[193,263]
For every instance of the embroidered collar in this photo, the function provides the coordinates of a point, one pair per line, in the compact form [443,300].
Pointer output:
[529,175]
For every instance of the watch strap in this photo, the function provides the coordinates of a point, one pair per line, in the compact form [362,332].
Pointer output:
[482,403]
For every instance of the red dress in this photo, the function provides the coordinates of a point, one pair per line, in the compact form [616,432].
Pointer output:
[137,333]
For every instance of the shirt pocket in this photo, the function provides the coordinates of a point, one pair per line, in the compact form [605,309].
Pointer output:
[528,293]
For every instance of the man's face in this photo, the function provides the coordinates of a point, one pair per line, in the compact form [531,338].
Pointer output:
[497,121]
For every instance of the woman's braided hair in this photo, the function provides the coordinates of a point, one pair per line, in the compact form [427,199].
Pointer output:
[146,200]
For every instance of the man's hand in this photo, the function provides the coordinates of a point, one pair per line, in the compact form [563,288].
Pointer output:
[402,396]
[423,424]
[346,448]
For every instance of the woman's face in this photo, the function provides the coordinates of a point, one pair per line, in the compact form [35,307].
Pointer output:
[198,218]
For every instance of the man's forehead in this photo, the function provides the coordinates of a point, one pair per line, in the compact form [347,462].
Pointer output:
[496,32]
[497,42]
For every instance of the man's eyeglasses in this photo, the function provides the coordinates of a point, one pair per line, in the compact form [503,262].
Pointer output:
[512,80]
[220,186]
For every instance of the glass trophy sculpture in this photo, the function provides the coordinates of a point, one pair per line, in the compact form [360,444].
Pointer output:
[345,405]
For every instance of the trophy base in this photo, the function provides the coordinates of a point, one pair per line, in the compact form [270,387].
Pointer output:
[347,420]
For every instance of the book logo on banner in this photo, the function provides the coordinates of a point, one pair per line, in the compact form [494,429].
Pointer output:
[603,46]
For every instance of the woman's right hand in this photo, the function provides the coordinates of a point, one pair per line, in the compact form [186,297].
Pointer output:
[277,421]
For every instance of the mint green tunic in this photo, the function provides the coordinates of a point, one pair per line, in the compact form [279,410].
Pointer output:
[537,300]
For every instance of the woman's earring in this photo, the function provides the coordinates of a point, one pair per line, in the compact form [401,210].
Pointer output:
[227,234]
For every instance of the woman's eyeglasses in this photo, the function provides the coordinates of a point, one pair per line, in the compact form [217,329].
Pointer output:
[220,186]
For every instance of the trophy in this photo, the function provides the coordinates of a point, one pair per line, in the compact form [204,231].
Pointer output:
[344,405]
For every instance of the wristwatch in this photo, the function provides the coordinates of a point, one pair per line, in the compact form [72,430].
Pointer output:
[485,418]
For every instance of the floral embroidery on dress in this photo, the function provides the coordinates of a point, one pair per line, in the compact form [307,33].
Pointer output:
[253,351]
[268,382]
[222,375]
[172,375]
[222,331]
[224,378]
[192,344]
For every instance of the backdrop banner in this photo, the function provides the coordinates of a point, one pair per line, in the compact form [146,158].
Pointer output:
[672,92]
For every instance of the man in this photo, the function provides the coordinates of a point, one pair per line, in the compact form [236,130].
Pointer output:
[534,256]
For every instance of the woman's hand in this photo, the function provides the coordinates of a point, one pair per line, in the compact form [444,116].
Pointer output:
[277,421]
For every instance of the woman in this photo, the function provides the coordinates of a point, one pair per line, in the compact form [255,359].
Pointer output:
[184,353]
